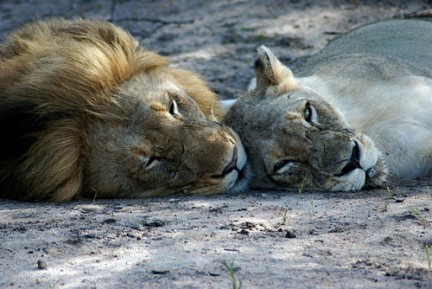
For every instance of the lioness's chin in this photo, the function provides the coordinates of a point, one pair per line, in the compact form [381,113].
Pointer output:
[359,179]
[377,175]
[353,181]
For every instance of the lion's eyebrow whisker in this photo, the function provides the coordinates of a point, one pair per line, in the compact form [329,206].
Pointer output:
[125,159]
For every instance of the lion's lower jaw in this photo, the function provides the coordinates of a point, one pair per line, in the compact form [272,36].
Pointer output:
[358,179]
[352,181]
[243,180]
[235,181]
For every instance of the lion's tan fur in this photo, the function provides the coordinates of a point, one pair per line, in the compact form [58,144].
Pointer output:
[70,71]
[358,111]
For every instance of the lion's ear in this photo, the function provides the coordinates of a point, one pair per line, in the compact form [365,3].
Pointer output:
[269,71]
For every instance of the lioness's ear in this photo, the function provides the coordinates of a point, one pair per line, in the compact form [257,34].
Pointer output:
[269,71]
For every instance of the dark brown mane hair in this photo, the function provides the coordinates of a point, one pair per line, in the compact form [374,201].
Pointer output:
[55,76]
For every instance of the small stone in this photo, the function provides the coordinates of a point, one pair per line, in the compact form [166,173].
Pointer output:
[154,223]
[42,265]
[290,235]
[160,271]
[131,235]
[109,221]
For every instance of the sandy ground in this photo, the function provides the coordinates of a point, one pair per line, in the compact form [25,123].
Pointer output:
[256,239]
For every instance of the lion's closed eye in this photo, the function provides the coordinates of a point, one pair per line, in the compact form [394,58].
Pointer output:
[146,159]
[149,162]
[284,167]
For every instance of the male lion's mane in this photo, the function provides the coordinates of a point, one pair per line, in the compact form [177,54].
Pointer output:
[55,78]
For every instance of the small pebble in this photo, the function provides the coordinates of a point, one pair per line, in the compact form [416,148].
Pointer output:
[290,235]
[160,271]
[42,265]
[109,221]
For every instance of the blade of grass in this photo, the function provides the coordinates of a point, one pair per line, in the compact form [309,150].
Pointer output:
[236,284]
[300,189]
[428,255]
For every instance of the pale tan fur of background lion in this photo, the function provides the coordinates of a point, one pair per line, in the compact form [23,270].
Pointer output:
[354,116]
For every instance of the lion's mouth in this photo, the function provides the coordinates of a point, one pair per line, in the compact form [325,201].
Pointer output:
[374,176]
[238,165]
[231,166]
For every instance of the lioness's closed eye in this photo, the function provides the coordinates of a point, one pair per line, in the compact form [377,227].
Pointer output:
[85,111]
[359,111]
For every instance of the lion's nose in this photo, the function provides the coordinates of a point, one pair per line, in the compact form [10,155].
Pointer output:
[354,161]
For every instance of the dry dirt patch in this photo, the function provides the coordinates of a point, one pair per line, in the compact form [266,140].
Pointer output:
[271,240]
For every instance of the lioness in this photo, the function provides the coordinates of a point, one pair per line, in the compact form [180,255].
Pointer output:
[85,111]
[356,112]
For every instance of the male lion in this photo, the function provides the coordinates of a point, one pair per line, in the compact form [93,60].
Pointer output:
[359,110]
[85,111]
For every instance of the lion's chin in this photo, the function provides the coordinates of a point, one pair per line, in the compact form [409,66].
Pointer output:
[352,181]
[376,175]
[358,179]
[242,181]
[233,182]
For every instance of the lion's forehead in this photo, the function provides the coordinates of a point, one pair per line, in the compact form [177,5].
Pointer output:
[284,110]
[277,127]
[148,87]
[144,93]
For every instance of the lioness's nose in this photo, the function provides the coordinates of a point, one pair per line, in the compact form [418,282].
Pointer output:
[354,162]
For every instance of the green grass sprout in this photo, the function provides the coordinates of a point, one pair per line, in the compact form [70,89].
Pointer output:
[301,188]
[426,246]
[236,284]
